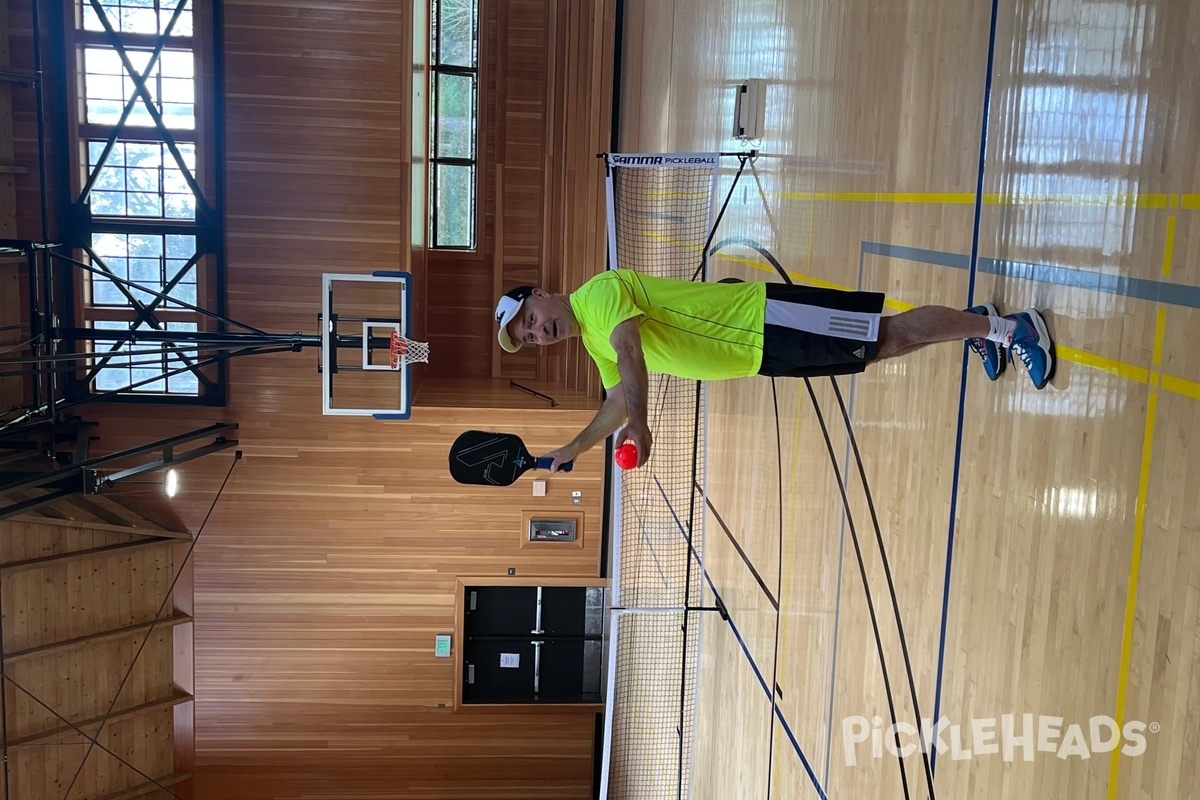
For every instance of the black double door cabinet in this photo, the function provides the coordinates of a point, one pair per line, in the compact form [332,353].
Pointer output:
[532,644]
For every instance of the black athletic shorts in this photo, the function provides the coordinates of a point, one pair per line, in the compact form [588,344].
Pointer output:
[800,338]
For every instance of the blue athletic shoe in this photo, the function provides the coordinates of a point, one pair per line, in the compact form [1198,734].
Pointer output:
[1032,344]
[992,356]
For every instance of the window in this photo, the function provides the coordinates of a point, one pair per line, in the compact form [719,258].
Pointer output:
[109,87]
[140,179]
[140,217]
[157,262]
[454,123]
[146,368]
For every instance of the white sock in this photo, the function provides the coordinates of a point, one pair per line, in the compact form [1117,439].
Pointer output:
[1002,330]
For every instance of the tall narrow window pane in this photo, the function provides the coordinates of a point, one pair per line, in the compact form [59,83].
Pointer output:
[455,198]
[457,32]
[456,116]
[454,123]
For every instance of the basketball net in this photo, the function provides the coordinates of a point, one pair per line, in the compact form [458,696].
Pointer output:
[405,351]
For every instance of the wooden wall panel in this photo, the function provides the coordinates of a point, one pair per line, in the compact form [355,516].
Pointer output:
[580,127]
[71,597]
[144,741]
[104,663]
[327,569]
[461,327]
[20,203]
[549,74]
[24,540]
[318,154]
[497,393]
[34,617]
[434,774]
[462,287]
[526,37]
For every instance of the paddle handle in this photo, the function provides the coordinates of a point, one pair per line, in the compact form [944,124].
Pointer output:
[545,462]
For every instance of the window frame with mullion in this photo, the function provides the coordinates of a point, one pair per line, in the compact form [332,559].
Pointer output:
[207,224]
[478,76]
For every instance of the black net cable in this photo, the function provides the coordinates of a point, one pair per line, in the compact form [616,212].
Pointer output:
[924,749]
[887,569]
[778,592]
[862,571]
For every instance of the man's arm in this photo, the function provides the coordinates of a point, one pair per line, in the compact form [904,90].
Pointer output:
[631,364]
[626,400]
[607,419]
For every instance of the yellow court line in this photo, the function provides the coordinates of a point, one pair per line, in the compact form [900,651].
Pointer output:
[1110,365]
[1120,200]
[1169,246]
[1182,386]
[940,198]
[1135,559]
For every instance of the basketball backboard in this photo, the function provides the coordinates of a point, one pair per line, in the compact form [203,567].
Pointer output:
[359,314]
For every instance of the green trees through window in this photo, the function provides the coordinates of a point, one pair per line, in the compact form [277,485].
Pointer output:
[455,122]
[142,212]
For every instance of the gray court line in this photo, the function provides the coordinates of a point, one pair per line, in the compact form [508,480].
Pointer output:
[1175,294]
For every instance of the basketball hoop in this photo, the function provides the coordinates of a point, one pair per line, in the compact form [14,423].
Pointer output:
[405,351]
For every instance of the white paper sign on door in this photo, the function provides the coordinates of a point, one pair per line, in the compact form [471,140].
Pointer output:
[510,660]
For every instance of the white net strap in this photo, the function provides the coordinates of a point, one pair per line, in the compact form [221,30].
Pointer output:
[407,351]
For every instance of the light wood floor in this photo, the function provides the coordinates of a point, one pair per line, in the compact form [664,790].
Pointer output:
[1057,532]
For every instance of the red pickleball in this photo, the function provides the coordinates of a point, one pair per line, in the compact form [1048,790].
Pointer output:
[626,456]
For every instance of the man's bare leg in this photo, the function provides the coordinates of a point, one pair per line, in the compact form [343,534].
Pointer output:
[904,333]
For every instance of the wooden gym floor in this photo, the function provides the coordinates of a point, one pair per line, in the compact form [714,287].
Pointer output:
[1045,546]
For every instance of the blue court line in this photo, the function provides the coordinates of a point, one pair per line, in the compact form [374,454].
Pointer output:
[962,389]
[757,672]
[1105,283]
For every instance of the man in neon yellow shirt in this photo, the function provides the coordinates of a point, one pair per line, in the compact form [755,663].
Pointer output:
[631,323]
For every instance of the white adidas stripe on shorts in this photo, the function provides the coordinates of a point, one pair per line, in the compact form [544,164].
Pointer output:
[855,325]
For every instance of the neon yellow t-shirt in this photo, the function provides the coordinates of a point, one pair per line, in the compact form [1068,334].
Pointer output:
[701,331]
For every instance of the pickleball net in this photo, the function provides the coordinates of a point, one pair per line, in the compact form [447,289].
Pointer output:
[662,214]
